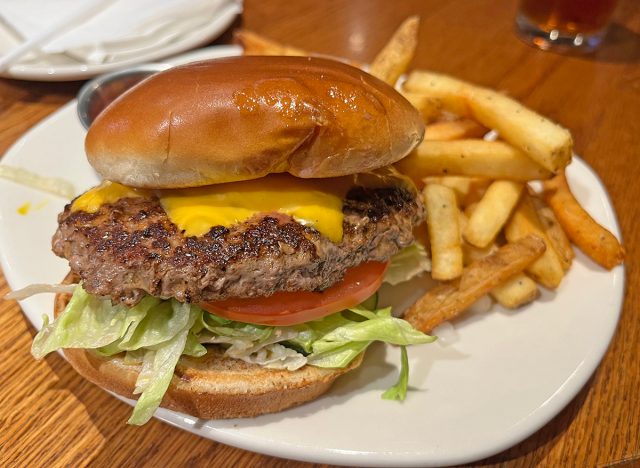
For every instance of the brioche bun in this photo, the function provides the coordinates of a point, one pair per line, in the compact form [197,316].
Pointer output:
[242,118]
[213,386]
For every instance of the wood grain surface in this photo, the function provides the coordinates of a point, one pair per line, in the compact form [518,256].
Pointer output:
[49,416]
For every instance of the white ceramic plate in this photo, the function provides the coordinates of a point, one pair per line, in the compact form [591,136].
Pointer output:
[58,67]
[508,375]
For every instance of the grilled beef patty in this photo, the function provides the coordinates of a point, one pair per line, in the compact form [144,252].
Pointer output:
[130,247]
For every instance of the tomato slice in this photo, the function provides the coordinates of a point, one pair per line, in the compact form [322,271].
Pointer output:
[290,308]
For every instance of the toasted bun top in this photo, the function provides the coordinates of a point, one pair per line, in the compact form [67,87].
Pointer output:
[241,118]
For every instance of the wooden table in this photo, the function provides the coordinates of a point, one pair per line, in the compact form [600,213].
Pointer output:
[50,416]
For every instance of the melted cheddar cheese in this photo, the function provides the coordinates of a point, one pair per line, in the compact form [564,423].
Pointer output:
[311,202]
[106,192]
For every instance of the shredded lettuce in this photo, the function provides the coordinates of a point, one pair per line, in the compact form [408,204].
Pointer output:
[399,390]
[39,288]
[53,185]
[155,333]
[87,322]
[409,262]
[339,346]
[159,364]
[258,345]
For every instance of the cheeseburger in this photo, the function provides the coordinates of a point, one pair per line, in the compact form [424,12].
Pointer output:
[228,264]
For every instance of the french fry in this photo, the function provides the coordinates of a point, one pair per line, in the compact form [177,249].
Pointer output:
[546,142]
[444,232]
[454,130]
[394,58]
[547,270]
[516,291]
[554,231]
[430,109]
[492,212]
[462,223]
[448,92]
[471,253]
[476,193]
[467,189]
[476,158]
[470,208]
[448,300]
[590,237]
[255,44]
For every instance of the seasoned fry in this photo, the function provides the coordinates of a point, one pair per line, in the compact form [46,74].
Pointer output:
[554,231]
[430,109]
[472,253]
[468,189]
[454,130]
[255,44]
[492,212]
[546,142]
[448,92]
[394,58]
[446,301]
[547,270]
[516,291]
[477,158]
[590,237]
[461,185]
[444,232]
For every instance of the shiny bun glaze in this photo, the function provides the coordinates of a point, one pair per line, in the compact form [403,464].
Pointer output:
[242,118]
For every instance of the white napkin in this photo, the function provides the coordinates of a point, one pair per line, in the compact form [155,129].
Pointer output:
[116,26]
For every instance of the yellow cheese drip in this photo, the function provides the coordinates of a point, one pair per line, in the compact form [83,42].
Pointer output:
[316,203]
[106,192]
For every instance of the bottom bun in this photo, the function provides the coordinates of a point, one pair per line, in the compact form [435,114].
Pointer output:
[212,386]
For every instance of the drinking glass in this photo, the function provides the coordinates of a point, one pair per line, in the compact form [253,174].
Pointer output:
[564,24]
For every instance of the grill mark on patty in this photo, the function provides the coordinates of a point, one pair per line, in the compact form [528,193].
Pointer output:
[358,201]
[222,246]
[113,229]
[130,247]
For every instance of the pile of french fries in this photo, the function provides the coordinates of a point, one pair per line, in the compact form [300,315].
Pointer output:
[489,232]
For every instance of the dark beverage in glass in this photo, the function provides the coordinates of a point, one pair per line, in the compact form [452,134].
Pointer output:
[574,24]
